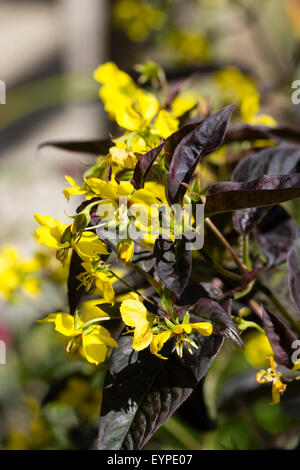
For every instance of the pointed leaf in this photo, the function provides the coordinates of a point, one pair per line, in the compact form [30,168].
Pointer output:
[223,324]
[294,269]
[242,132]
[205,138]
[95,147]
[264,191]
[193,292]
[142,391]
[275,235]
[144,165]
[173,140]
[75,290]
[283,159]
[280,336]
[245,220]
[279,160]
[173,263]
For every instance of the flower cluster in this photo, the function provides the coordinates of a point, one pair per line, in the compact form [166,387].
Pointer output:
[107,240]
[112,201]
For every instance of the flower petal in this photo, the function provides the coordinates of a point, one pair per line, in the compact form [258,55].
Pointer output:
[65,324]
[158,342]
[204,328]
[93,349]
[133,313]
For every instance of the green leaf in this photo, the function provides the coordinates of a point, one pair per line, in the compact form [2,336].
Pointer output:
[142,391]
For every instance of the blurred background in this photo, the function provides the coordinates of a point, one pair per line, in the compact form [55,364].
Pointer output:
[48,52]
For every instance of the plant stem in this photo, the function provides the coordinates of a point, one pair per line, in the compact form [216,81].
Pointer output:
[246,258]
[182,434]
[131,288]
[97,320]
[255,307]
[223,240]
[139,270]
[225,272]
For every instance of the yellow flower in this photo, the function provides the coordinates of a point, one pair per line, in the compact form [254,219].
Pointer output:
[112,190]
[184,102]
[136,111]
[296,366]
[17,274]
[190,46]
[249,112]
[125,250]
[136,114]
[140,203]
[271,375]
[50,231]
[235,85]
[122,157]
[74,190]
[257,349]
[94,278]
[165,124]
[136,18]
[135,315]
[88,247]
[91,342]
[180,332]
[110,74]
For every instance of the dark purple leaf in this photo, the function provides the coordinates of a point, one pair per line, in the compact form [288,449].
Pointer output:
[280,336]
[283,159]
[194,411]
[75,289]
[95,147]
[205,138]
[264,191]
[278,160]
[173,263]
[144,165]
[223,324]
[143,258]
[246,219]
[142,391]
[294,269]
[242,132]
[275,235]
[173,140]
[193,292]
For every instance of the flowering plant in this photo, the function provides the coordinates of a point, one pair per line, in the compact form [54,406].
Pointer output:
[160,274]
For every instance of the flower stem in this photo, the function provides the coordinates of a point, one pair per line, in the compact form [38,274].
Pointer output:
[223,240]
[131,288]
